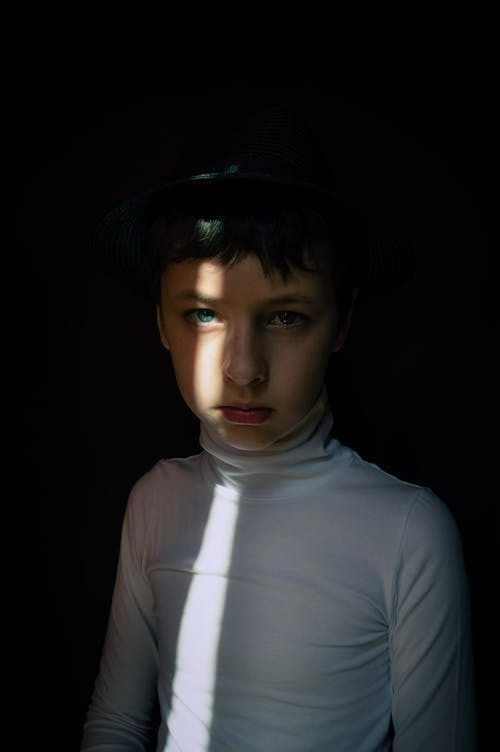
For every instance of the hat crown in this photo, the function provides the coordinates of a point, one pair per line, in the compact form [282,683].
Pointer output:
[277,146]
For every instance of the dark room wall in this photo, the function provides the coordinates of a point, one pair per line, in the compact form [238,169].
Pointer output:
[99,105]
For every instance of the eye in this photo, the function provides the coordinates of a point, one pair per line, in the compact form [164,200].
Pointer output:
[201,316]
[287,319]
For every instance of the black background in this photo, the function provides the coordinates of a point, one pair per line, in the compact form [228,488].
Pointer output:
[98,103]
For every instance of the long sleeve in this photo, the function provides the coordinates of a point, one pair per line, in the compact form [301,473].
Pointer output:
[119,716]
[432,672]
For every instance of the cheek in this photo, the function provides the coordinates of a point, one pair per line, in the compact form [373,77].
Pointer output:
[308,359]
[183,356]
[196,368]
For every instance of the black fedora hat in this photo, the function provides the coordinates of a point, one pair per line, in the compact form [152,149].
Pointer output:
[275,148]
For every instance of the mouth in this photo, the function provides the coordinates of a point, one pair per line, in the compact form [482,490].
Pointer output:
[249,416]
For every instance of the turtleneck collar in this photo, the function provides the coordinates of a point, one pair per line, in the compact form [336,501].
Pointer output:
[285,468]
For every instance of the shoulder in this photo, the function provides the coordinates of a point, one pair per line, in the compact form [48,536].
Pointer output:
[164,474]
[368,485]
[407,514]
[431,533]
[417,534]
[166,485]
[167,491]
[416,524]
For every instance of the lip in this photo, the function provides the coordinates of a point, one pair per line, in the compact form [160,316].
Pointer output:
[249,415]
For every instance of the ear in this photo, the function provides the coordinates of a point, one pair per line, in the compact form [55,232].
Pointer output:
[343,331]
[161,328]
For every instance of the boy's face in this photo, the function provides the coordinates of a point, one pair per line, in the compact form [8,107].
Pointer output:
[249,351]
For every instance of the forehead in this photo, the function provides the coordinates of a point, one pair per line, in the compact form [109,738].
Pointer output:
[243,282]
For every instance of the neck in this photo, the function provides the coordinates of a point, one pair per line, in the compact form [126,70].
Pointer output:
[284,467]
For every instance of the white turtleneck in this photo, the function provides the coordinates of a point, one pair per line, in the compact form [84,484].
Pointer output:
[288,600]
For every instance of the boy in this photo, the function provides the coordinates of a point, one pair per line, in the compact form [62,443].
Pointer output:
[274,592]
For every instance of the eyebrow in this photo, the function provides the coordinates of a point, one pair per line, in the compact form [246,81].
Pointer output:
[286,299]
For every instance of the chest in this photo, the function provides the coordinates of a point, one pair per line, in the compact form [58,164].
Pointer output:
[274,598]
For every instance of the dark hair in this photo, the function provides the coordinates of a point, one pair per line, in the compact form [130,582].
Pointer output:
[283,228]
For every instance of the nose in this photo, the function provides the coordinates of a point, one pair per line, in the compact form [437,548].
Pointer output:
[244,358]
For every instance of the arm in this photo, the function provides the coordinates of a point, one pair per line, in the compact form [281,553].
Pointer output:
[431,646]
[119,716]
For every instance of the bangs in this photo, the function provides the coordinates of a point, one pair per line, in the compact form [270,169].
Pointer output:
[278,228]
[279,243]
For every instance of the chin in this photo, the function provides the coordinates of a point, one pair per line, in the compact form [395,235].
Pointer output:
[246,438]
